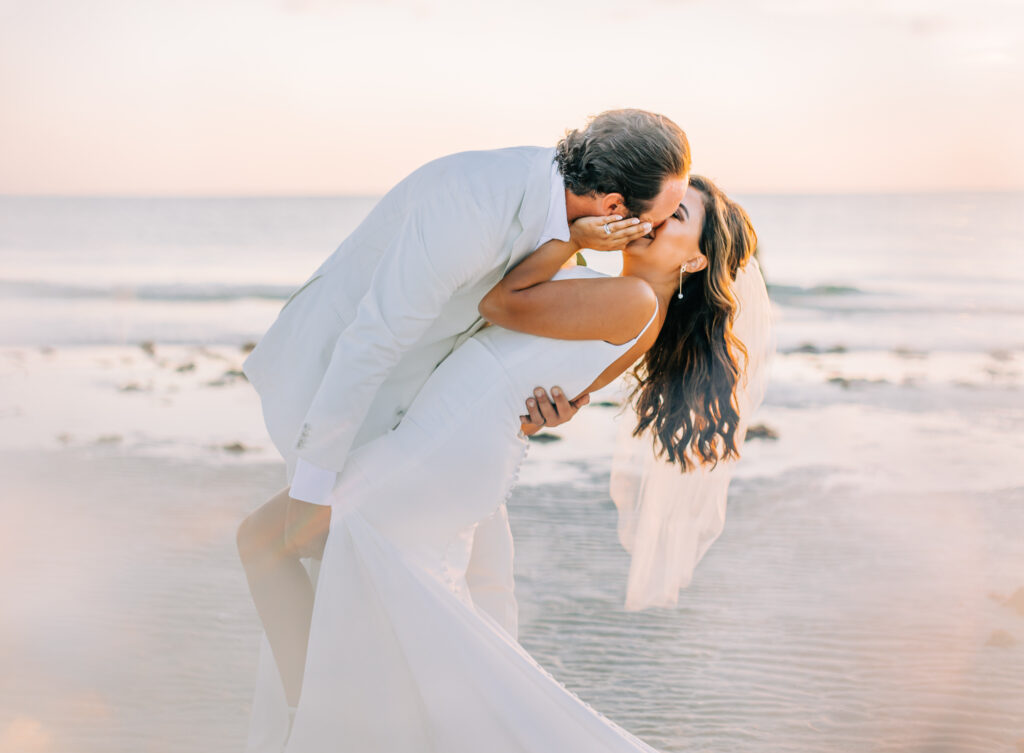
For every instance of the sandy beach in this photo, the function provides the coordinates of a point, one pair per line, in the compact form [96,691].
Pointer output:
[853,602]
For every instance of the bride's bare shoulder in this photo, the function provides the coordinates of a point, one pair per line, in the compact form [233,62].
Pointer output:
[634,303]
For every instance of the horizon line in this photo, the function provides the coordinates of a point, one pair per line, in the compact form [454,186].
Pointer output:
[356,195]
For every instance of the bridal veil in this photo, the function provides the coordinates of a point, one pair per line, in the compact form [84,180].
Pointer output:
[668,519]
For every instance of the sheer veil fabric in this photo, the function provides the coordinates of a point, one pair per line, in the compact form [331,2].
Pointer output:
[669,519]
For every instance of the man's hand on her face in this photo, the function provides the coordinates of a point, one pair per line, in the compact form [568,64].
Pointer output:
[543,411]
[589,232]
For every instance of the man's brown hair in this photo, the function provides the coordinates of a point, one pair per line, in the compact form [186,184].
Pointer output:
[631,152]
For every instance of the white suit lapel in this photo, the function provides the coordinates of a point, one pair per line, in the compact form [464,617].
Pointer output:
[531,216]
[534,209]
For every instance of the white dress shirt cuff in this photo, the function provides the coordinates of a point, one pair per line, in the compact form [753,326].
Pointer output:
[311,483]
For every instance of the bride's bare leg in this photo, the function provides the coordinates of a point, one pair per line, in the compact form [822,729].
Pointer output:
[271,541]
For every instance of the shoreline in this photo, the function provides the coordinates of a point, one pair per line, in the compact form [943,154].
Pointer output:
[892,412]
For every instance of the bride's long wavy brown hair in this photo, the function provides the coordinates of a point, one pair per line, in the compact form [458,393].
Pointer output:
[685,385]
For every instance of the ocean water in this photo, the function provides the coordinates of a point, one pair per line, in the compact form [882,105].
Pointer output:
[866,594]
[924,272]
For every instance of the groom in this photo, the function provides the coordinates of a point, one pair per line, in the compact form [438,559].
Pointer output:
[352,347]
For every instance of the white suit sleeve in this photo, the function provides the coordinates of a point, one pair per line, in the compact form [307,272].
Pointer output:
[443,244]
[310,483]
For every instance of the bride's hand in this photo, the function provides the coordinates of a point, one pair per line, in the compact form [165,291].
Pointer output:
[607,233]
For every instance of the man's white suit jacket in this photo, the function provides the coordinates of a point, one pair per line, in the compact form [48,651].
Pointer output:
[352,347]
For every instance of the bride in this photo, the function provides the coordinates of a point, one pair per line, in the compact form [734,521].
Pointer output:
[399,660]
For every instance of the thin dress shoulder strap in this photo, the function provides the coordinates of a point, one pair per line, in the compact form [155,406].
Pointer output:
[650,321]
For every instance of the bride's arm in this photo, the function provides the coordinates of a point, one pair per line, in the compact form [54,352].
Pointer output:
[586,232]
[609,308]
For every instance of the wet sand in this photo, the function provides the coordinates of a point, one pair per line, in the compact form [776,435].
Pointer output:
[820,621]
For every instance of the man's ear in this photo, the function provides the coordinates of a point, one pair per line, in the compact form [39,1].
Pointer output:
[612,203]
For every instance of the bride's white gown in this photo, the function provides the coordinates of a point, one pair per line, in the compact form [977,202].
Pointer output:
[400,660]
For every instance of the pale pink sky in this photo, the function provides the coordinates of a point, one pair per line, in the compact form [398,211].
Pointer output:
[246,97]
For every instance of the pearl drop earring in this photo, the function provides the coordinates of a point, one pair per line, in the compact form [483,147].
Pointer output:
[681,270]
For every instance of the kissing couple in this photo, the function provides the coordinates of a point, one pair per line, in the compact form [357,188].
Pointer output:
[401,383]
